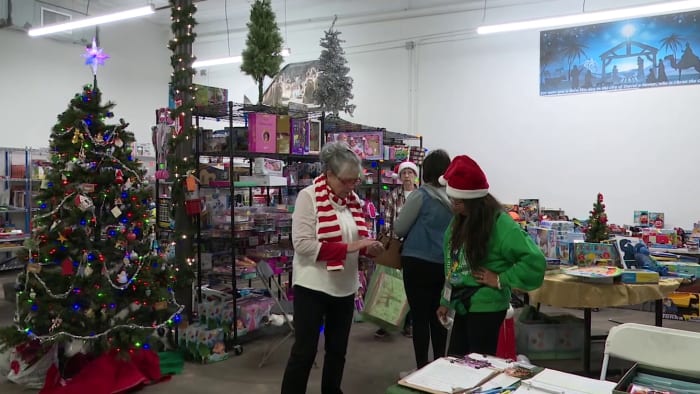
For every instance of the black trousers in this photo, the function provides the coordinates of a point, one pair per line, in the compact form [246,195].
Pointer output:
[423,282]
[476,332]
[312,309]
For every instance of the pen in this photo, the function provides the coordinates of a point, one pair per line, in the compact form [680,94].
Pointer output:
[531,386]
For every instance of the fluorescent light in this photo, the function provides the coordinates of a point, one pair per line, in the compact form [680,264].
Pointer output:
[217,62]
[589,17]
[98,20]
[230,60]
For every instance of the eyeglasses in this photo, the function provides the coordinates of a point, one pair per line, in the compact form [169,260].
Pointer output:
[349,182]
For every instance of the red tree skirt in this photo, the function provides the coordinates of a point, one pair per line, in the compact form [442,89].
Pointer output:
[107,374]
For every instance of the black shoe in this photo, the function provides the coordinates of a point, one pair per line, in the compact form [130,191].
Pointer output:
[381,333]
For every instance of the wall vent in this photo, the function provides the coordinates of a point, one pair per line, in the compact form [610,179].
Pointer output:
[53,17]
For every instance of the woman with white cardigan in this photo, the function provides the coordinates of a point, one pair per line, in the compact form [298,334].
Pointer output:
[328,233]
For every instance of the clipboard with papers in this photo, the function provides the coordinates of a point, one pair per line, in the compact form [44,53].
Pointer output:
[450,375]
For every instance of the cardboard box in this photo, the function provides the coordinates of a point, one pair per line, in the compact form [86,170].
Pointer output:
[262,133]
[664,377]
[299,136]
[214,174]
[267,166]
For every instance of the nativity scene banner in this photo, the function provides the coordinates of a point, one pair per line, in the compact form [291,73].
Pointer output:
[637,53]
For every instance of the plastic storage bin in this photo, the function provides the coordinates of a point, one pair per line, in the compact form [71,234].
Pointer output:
[543,337]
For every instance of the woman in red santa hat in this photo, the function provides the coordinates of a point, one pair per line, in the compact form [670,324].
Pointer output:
[407,172]
[486,255]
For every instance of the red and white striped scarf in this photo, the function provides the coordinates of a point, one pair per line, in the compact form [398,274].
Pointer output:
[327,225]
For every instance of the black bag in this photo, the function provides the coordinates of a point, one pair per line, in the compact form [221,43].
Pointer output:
[464,295]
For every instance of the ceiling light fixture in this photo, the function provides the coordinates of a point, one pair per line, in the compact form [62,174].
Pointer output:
[98,20]
[230,60]
[590,17]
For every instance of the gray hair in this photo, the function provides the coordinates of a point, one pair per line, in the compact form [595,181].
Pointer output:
[338,157]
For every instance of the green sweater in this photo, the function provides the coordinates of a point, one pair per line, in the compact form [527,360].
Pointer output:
[512,254]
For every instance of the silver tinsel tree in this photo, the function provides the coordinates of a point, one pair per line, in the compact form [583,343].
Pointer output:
[334,86]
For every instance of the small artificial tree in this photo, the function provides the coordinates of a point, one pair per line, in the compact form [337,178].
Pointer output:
[95,274]
[262,56]
[597,230]
[334,86]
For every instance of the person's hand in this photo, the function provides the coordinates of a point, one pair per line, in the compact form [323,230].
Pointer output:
[361,244]
[442,313]
[486,277]
[375,249]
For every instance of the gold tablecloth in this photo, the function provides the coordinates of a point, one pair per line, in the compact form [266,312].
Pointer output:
[566,291]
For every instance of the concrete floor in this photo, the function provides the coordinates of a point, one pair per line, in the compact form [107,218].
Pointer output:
[372,365]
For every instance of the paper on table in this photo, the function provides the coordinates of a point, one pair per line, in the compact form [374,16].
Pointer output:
[500,380]
[550,381]
[445,376]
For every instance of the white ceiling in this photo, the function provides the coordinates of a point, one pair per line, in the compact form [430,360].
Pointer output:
[211,14]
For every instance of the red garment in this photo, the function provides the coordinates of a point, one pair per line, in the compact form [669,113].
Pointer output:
[108,374]
[506,340]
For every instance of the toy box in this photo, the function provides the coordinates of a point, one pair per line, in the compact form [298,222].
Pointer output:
[639,276]
[240,138]
[588,253]
[254,311]
[284,129]
[682,306]
[262,180]
[554,244]
[529,210]
[314,133]
[262,133]
[299,136]
[544,337]
[214,174]
[208,95]
[214,140]
[267,166]
[203,343]
[367,145]
[682,267]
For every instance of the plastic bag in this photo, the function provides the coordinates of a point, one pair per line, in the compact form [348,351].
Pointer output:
[385,301]
[30,373]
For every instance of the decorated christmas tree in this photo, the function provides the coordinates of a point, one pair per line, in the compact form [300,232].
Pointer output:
[597,230]
[334,86]
[262,56]
[95,278]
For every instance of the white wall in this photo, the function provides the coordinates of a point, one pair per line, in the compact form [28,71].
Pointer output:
[475,95]
[39,76]
[480,96]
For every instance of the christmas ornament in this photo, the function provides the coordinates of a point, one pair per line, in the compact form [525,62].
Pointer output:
[131,237]
[44,184]
[128,184]
[55,323]
[77,137]
[160,305]
[61,238]
[122,277]
[94,56]
[67,267]
[116,212]
[32,294]
[54,225]
[87,271]
[133,255]
[118,177]
[126,261]
[88,187]
[148,292]
[74,347]
[83,202]
[118,142]
[90,314]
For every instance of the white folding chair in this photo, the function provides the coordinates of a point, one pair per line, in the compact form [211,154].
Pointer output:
[283,305]
[653,346]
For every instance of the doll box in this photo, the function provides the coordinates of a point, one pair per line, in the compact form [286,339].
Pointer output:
[267,166]
[284,130]
[367,145]
[262,133]
[299,137]
[254,311]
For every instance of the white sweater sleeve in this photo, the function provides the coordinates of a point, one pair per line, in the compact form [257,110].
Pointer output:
[304,237]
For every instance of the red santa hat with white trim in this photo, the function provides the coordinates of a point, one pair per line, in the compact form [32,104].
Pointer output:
[464,179]
[405,165]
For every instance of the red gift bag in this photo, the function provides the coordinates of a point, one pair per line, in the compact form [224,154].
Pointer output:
[506,338]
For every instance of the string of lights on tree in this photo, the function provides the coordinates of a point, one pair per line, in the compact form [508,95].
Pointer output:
[95,271]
